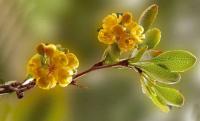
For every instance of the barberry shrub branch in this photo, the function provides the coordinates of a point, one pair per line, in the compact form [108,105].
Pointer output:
[130,43]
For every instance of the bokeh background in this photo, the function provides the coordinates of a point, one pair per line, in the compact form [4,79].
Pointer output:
[113,95]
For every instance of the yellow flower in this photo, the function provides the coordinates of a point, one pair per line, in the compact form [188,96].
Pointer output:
[136,32]
[118,31]
[121,29]
[51,66]
[50,49]
[126,43]
[65,76]
[73,62]
[110,21]
[127,18]
[106,37]
[46,82]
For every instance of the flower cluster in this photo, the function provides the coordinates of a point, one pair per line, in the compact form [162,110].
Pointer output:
[122,29]
[52,65]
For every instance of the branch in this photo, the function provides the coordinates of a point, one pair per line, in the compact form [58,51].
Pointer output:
[19,88]
[95,67]
[100,65]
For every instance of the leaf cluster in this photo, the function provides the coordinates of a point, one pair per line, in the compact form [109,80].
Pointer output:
[161,69]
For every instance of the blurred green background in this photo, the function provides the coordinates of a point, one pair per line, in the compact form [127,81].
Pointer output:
[113,95]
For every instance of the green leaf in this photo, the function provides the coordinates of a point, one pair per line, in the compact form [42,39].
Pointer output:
[159,102]
[150,92]
[176,60]
[148,16]
[138,55]
[162,97]
[152,38]
[158,72]
[172,96]
[111,54]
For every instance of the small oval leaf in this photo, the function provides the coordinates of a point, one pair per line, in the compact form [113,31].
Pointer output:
[148,16]
[176,60]
[152,38]
[150,92]
[162,97]
[158,72]
[172,96]
[111,54]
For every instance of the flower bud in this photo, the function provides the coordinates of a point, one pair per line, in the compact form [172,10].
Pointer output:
[50,50]
[40,48]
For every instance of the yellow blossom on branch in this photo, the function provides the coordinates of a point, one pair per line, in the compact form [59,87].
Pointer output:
[51,66]
[121,29]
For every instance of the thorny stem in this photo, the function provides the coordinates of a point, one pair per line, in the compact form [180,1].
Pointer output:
[20,87]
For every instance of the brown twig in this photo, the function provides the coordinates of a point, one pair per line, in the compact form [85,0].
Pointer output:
[100,65]
[19,88]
